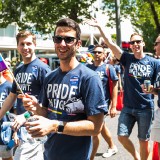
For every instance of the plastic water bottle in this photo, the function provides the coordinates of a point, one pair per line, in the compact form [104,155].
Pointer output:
[29,118]
[11,116]
[10,145]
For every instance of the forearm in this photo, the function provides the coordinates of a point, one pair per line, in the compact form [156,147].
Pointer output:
[108,40]
[40,110]
[83,127]
[155,91]
[114,94]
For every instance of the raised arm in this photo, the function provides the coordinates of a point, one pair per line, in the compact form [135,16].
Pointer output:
[107,38]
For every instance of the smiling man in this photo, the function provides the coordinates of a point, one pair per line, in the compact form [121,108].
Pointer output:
[138,106]
[102,70]
[73,101]
[29,76]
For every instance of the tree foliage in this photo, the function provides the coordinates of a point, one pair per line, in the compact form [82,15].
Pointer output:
[144,15]
[42,14]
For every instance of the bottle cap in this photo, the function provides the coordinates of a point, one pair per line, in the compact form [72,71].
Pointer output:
[7,113]
[27,115]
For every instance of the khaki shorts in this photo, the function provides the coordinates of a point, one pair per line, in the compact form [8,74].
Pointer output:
[4,153]
[155,130]
[29,151]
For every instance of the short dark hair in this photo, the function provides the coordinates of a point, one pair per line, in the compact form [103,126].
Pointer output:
[98,45]
[26,34]
[67,22]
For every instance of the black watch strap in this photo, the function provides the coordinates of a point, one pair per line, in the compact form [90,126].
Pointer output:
[60,127]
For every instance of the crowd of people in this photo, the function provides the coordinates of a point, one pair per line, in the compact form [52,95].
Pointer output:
[68,109]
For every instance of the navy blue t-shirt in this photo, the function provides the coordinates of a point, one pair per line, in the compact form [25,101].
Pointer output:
[157,83]
[102,72]
[5,89]
[72,96]
[136,71]
[30,78]
[117,68]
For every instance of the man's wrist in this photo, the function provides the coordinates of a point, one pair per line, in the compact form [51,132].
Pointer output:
[60,127]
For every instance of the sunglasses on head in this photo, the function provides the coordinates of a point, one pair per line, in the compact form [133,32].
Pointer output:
[58,39]
[156,43]
[136,41]
[99,52]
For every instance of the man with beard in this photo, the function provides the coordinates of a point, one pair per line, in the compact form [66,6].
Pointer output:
[73,104]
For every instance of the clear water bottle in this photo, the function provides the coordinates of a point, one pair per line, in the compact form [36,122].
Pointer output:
[29,118]
[11,116]
[10,145]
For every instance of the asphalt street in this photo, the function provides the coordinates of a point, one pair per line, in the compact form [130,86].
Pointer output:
[122,153]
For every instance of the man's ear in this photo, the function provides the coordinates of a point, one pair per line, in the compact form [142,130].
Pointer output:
[79,43]
[143,44]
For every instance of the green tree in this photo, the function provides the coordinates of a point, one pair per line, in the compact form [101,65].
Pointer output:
[144,15]
[42,14]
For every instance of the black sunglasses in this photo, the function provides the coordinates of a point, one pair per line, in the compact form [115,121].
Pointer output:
[99,52]
[137,41]
[58,39]
[156,43]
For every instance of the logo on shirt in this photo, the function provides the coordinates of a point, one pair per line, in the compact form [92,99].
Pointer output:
[74,80]
[139,70]
[35,71]
[2,98]
[157,83]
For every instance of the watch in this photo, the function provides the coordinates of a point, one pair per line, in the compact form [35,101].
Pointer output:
[60,127]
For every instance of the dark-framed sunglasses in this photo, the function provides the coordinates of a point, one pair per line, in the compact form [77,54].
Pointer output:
[156,43]
[94,52]
[136,41]
[58,39]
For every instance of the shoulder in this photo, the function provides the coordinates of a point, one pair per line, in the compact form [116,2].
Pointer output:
[8,84]
[37,62]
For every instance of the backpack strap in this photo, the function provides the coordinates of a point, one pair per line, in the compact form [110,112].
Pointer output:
[109,80]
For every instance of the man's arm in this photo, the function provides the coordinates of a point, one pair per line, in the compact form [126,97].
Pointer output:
[31,104]
[7,104]
[107,38]
[43,126]
[113,110]
[90,127]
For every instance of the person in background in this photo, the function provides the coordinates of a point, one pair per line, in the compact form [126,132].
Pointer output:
[73,105]
[101,68]
[6,73]
[155,89]
[30,76]
[138,107]
[44,60]
[5,88]
[113,61]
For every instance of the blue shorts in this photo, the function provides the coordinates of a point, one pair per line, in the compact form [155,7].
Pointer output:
[129,117]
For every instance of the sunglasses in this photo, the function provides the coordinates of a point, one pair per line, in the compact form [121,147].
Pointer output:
[137,42]
[58,39]
[99,52]
[156,43]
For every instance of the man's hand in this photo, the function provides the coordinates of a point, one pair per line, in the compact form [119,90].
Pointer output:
[18,122]
[145,89]
[92,22]
[112,112]
[41,126]
[29,102]
[16,139]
